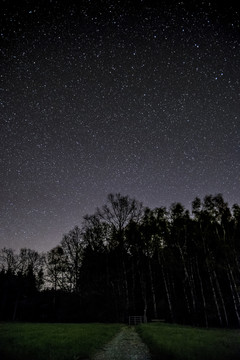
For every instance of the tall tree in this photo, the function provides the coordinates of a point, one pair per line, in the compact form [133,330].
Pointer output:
[116,215]
[31,262]
[73,247]
[56,266]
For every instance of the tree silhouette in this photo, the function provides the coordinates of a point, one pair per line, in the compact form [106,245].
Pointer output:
[128,260]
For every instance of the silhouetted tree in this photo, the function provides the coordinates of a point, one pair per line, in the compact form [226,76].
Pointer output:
[73,247]
[117,214]
[127,259]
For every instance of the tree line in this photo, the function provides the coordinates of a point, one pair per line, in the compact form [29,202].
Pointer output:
[127,259]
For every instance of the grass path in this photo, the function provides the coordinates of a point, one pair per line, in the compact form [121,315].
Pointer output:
[126,345]
[28,341]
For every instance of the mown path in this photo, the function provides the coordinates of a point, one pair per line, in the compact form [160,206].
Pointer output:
[127,345]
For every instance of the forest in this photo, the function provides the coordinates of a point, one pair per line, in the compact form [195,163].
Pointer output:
[172,264]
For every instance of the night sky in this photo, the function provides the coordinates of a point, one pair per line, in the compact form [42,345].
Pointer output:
[136,97]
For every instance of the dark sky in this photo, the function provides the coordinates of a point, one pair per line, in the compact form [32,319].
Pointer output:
[136,97]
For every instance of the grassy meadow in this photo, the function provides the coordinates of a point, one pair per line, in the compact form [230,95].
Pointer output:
[30,341]
[174,342]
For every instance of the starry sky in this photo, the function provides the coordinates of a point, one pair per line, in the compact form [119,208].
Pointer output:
[98,97]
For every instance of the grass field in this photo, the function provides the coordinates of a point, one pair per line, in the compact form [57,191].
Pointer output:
[27,341]
[174,342]
[20,341]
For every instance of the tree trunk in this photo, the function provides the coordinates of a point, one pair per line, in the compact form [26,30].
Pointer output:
[16,307]
[115,299]
[230,278]
[192,287]
[214,296]
[152,290]
[210,277]
[126,287]
[133,288]
[168,294]
[203,296]
[234,284]
[221,297]
[144,294]
[188,280]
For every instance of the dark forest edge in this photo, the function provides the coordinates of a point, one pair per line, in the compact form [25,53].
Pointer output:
[130,260]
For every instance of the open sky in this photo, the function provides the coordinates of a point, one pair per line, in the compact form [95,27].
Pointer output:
[98,97]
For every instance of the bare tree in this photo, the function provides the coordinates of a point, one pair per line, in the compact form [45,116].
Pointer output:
[8,260]
[73,246]
[120,210]
[56,269]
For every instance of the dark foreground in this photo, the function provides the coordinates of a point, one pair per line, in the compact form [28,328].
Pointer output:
[27,341]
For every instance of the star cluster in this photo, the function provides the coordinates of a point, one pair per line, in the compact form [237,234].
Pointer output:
[135,97]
